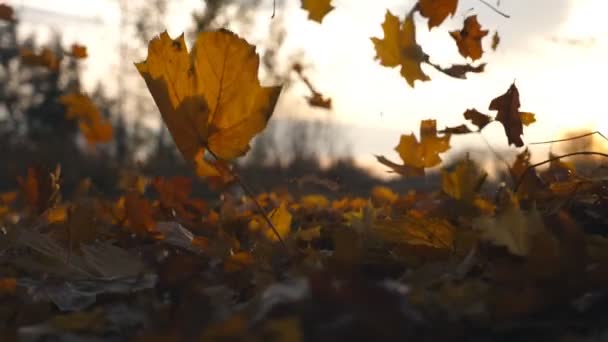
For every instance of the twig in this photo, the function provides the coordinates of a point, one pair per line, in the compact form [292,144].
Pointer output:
[570,138]
[495,9]
[252,196]
[583,153]
[274,7]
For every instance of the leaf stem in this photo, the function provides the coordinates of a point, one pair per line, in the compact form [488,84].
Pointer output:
[493,8]
[582,153]
[250,194]
[570,138]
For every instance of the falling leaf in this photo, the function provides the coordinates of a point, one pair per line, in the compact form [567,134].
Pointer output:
[437,10]
[210,98]
[78,51]
[527,118]
[404,170]
[317,9]
[478,119]
[399,48]
[495,40]
[317,100]
[93,126]
[416,155]
[425,153]
[509,116]
[7,13]
[460,129]
[460,70]
[469,38]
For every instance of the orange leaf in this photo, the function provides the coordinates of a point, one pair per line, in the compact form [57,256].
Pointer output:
[79,51]
[437,10]
[469,38]
[210,98]
[238,262]
[317,9]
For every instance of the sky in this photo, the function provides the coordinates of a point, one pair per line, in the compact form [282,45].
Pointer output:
[555,51]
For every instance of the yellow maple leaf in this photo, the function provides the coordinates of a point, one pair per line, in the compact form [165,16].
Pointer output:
[281,219]
[425,153]
[437,10]
[399,47]
[317,9]
[210,98]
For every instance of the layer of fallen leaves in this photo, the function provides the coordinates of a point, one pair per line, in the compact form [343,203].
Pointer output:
[159,261]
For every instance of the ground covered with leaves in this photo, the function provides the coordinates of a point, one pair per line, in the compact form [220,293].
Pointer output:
[159,264]
[469,259]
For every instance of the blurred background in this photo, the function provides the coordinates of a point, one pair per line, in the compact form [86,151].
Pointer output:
[555,50]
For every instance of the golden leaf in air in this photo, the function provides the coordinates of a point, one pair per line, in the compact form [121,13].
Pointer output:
[426,152]
[210,98]
[399,48]
[317,9]
[416,155]
[469,38]
[437,10]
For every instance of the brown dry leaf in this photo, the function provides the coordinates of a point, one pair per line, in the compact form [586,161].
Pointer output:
[7,13]
[399,48]
[317,100]
[460,70]
[460,129]
[469,38]
[317,9]
[437,10]
[174,196]
[478,119]
[210,98]
[509,115]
